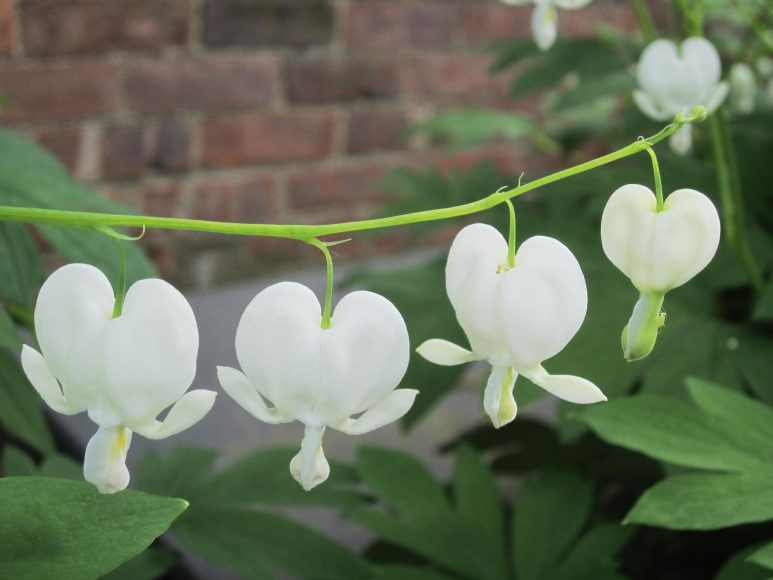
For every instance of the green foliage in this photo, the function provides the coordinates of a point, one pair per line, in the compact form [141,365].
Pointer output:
[68,527]
[463,128]
[465,535]
[721,431]
[225,522]
[17,463]
[20,410]
[149,565]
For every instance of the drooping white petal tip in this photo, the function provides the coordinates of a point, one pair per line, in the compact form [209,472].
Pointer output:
[310,467]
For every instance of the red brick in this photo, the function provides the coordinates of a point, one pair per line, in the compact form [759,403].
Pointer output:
[237,199]
[585,22]
[460,78]
[7,29]
[268,138]
[324,80]
[94,26]
[123,152]
[376,130]
[159,198]
[496,21]
[394,25]
[65,143]
[172,148]
[335,187]
[58,90]
[267,22]
[202,83]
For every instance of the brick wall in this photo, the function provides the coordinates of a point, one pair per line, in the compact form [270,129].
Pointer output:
[252,110]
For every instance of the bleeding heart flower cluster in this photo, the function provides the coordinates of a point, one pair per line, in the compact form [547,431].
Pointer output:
[124,366]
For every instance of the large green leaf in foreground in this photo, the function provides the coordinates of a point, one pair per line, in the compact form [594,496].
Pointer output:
[66,529]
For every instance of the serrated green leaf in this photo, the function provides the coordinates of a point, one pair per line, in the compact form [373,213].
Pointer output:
[21,412]
[667,429]
[549,515]
[71,529]
[705,502]
[744,421]
[250,542]
[401,480]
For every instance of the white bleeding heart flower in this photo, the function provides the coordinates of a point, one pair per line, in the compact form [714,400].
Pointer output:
[743,88]
[515,318]
[320,376]
[657,250]
[544,18]
[123,371]
[675,80]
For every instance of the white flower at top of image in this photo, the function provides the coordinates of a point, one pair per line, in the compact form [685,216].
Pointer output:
[295,370]
[544,18]
[123,371]
[675,79]
[514,317]
[657,250]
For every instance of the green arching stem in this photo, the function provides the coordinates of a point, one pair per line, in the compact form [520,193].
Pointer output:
[658,181]
[308,232]
[511,235]
[120,293]
[329,286]
[731,197]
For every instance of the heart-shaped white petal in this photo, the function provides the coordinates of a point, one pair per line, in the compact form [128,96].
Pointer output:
[321,375]
[662,250]
[73,306]
[519,316]
[150,351]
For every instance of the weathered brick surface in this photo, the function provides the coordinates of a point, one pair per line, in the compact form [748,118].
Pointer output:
[59,89]
[123,152]
[396,25]
[268,138]
[267,22]
[326,80]
[376,130]
[7,28]
[488,22]
[94,26]
[462,78]
[337,186]
[172,148]
[65,143]
[200,83]
[236,199]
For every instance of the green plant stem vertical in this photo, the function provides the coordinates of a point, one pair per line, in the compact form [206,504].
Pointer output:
[511,235]
[644,18]
[731,197]
[329,285]
[120,291]
[658,180]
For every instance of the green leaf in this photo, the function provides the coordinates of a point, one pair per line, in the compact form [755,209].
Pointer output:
[392,571]
[594,555]
[705,502]
[401,480]
[182,473]
[16,462]
[476,496]
[763,556]
[738,567]
[68,527]
[744,421]
[667,429]
[549,515]
[20,409]
[9,337]
[596,86]
[21,271]
[763,312]
[464,128]
[30,176]
[151,564]
[251,541]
